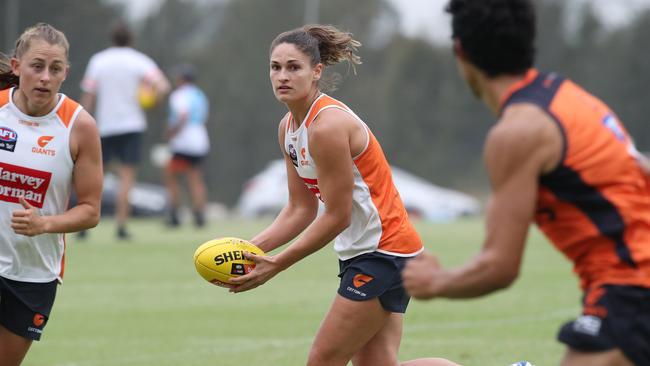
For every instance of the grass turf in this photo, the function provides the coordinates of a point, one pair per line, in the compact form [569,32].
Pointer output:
[141,303]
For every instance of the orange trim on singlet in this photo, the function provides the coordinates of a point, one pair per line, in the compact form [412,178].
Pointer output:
[322,102]
[63,259]
[529,77]
[398,235]
[67,110]
[4,97]
[317,106]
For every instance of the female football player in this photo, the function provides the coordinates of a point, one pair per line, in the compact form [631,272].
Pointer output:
[48,146]
[332,156]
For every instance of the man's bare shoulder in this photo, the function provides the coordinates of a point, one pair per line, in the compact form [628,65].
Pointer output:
[526,131]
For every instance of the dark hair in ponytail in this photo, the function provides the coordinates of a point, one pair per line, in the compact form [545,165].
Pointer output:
[322,43]
[7,78]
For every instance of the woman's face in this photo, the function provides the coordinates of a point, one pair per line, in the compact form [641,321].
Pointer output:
[41,69]
[292,75]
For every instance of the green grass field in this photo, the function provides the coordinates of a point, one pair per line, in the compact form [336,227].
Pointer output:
[142,303]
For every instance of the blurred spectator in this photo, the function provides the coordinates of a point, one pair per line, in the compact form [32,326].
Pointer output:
[188,142]
[118,84]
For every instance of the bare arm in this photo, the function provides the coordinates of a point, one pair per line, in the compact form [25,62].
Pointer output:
[330,149]
[175,128]
[87,178]
[299,212]
[520,148]
[88,100]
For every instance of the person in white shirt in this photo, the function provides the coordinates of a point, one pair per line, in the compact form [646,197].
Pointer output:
[111,86]
[188,142]
[49,148]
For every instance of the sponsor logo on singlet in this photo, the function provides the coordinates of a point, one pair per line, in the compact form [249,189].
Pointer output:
[41,148]
[8,139]
[312,185]
[17,181]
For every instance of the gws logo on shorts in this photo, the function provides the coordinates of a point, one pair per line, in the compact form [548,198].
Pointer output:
[588,324]
[39,319]
[42,143]
[8,139]
[361,279]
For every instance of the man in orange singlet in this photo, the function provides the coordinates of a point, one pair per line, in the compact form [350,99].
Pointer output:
[561,157]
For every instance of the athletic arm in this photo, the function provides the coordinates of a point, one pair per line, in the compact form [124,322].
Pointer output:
[88,100]
[174,128]
[330,149]
[516,154]
[296,215]
[87,178]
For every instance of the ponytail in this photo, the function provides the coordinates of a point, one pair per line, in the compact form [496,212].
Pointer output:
[334,45]
[7,78]
[322,43]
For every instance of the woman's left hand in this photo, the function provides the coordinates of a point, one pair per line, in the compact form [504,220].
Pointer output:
[265,269]
[27,222]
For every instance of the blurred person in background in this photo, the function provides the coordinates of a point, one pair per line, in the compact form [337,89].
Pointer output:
[188,142]
[49,148]
[561,157]
[118,84]
[331,155]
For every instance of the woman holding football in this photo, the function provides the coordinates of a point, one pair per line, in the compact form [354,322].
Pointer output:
[48,146]
[332,156]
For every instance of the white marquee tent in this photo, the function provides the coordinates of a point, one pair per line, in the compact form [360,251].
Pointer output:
[266,194]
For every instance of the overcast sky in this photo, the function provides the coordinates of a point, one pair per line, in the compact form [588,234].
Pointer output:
[427,18]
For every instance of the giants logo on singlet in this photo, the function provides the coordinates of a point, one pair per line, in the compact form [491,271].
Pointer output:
[41,148]
[17,181]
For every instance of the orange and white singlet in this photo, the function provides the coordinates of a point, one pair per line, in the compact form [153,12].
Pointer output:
[595,205]
[379,221]
[35,163]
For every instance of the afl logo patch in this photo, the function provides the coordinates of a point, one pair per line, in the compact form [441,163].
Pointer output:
[293,155]
[8,139]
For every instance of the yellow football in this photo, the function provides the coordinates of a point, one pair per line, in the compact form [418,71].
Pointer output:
[146,96]
[219,260]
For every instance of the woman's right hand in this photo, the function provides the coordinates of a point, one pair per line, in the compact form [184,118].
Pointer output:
[265,268]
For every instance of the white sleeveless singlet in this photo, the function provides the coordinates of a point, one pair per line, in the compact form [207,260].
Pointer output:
[379,221]
[35,163]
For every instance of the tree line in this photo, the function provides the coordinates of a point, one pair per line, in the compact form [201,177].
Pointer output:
[407,89]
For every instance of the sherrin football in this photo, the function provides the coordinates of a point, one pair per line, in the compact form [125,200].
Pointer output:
[221,259]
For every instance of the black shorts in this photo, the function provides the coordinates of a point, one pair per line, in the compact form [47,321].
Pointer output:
[127,148]
[373,275]
[192,160]
[25,306]
[613,317]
